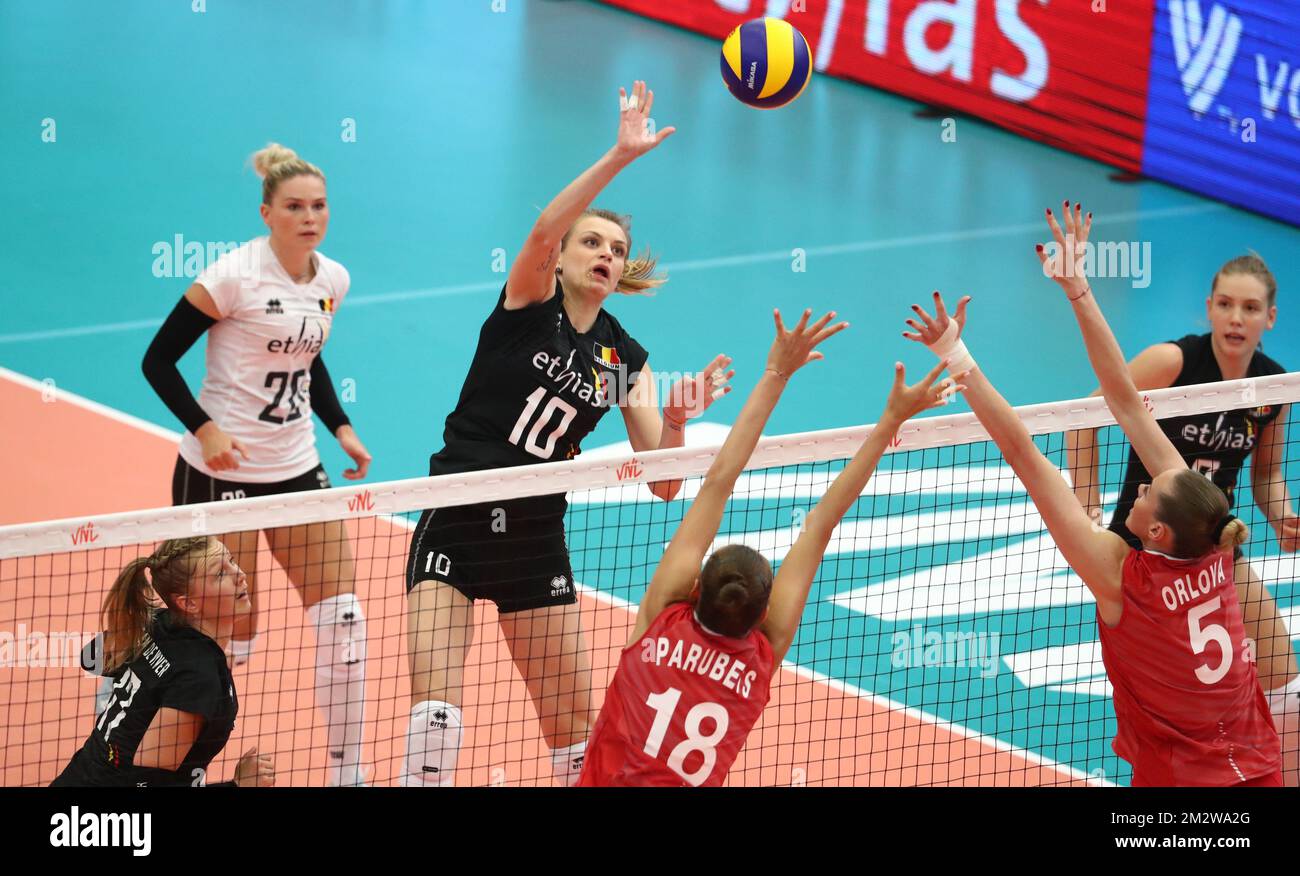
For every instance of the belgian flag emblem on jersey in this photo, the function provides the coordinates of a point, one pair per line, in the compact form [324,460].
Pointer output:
[327,304]
[607,355]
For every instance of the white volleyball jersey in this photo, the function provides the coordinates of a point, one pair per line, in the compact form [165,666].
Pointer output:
[258,385]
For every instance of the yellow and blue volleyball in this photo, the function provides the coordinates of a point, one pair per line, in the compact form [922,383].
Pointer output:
[766,63]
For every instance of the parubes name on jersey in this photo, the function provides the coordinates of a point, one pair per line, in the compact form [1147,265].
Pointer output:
[1184,590]
[704,662]
[304,343]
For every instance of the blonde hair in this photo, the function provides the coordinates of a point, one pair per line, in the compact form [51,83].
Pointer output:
[1254,266]
[638,275]
[277,163]
[130,603]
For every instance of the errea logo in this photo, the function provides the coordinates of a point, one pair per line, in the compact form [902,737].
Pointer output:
[1204,51]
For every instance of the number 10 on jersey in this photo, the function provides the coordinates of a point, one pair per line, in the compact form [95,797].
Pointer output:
[568,412]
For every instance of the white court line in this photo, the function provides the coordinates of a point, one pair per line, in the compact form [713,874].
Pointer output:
[811,674]
[361,300]
[63,395]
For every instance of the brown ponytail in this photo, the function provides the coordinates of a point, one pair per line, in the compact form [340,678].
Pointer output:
[130,603]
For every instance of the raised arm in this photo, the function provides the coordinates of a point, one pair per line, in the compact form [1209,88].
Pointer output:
[1153,447]
[1156,367]
[680,566]
[790,588]
[532,276]
[1097,555]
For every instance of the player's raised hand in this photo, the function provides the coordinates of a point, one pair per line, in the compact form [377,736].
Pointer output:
[635,138]
[906,401]
[932,331]
[1068,266]
[219,449]
[793,348]
[353,447]
[255,770]
[691,395]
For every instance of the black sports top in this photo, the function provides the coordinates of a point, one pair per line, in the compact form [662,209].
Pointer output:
[536,387]
[178,668]
[1214,444]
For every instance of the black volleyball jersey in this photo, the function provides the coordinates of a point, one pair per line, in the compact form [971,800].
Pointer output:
[1215,444]
[179,668]
[536,387]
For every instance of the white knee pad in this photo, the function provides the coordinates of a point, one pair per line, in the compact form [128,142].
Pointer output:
[432,743]
[340,681]
[566,763]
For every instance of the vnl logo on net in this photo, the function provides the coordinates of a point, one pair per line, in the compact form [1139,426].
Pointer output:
[1205,50]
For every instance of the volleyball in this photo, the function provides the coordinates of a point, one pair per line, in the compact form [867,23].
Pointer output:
[766,63]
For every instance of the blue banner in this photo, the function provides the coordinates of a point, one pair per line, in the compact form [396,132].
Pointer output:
[1223,105]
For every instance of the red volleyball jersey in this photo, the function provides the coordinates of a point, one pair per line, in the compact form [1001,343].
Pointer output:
[1188,704]
[681,705]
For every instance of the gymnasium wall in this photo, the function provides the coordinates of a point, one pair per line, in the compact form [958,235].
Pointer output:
[1201,94]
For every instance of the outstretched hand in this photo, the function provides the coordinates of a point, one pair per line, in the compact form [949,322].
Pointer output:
[793,348]
[691,395]
[930,331]
[635,137]
[1067,266]
[906,401]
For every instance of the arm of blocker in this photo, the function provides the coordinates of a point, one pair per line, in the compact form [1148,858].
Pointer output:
[1096,556]
[793,580]
[680,566]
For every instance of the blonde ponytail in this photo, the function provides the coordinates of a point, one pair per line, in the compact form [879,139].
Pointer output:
[1234,533]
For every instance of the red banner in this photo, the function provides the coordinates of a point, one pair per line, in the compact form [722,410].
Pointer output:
[1070,72]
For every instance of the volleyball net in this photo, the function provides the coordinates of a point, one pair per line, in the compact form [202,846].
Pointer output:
[945,640]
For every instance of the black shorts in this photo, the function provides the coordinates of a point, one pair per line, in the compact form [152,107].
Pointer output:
[191,486]
[512,553]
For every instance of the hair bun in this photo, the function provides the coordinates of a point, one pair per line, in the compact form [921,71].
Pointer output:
[264,160]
